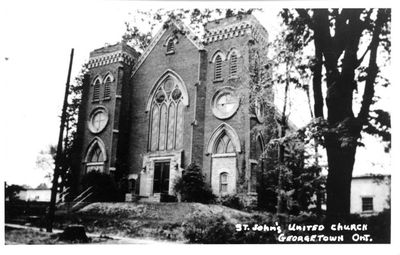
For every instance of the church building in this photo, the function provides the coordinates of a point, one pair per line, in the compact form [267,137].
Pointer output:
[145,117]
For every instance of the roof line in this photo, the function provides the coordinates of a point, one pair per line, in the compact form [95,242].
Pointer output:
[149,48]
[157,38]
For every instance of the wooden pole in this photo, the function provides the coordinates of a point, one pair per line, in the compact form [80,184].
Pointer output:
[58,160]
[64,167]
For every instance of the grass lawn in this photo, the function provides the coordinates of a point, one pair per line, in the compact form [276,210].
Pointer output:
[141,221]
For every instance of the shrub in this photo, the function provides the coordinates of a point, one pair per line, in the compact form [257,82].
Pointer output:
[11,192]
[208,230]
[104,188]
[378,226]
[192,187]
[218,230]
[232,201]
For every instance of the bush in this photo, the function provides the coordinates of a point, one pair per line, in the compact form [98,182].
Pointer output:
[167,198]
[221,230]
[11,192]
[378,225]
[104,188]
[208,230]
[218,230]
[232,201]
[192,187]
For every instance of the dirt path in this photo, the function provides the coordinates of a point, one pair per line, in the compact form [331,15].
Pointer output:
[104,239]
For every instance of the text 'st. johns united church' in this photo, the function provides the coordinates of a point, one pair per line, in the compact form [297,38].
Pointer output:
[144,119]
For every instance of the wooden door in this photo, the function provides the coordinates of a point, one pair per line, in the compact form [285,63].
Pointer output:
[161,177]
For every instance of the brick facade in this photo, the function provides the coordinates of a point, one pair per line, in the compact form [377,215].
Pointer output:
[132,123]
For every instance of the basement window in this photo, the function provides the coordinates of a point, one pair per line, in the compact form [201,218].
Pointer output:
[367,204]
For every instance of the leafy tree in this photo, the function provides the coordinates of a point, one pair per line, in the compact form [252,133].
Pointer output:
[286,183]
[45,161]
[290,180]
[140,29]
[42,186]
[67,157]
[11,191]
[349,48]
[192,187]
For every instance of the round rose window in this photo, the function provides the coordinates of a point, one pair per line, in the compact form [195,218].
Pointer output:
[98,120]
[225,103]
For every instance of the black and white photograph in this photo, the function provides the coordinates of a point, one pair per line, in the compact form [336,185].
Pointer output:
[178,123]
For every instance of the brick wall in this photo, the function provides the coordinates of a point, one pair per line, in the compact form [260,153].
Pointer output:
[185,62]
[127,133]
[105,61]
[240,121]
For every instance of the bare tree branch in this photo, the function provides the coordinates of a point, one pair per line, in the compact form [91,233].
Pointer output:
[372,70]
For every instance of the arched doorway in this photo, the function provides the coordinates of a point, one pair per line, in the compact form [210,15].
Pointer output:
[223,146]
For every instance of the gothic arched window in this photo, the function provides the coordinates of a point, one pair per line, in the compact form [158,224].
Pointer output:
[167,117]
[224,145]
[233,67]
[96,90]
[95,156]
[107,88]
[218,68]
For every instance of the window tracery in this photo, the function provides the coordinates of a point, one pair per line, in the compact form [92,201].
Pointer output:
[167,117]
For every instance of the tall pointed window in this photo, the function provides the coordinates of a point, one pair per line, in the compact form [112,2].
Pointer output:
[170,46]
[96,90]
[167,117]
[218,68]
[233,67]
[107,88]
[95,157]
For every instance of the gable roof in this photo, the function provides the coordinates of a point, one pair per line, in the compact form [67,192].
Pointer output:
[179,25]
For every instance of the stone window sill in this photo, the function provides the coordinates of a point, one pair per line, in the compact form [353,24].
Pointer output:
[218,80]
[252,193]
[224,155]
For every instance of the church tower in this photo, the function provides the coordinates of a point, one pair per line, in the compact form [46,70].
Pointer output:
[231,158]
[100,112]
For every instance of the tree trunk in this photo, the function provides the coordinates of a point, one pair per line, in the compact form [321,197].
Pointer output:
[340,144]
[341,162]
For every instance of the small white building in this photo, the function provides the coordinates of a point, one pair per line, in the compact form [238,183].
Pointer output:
[39,195]
[370,194]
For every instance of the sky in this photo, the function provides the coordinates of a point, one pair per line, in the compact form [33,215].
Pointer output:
[37,37]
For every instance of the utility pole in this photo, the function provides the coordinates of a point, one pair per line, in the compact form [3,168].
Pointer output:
[58,160]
